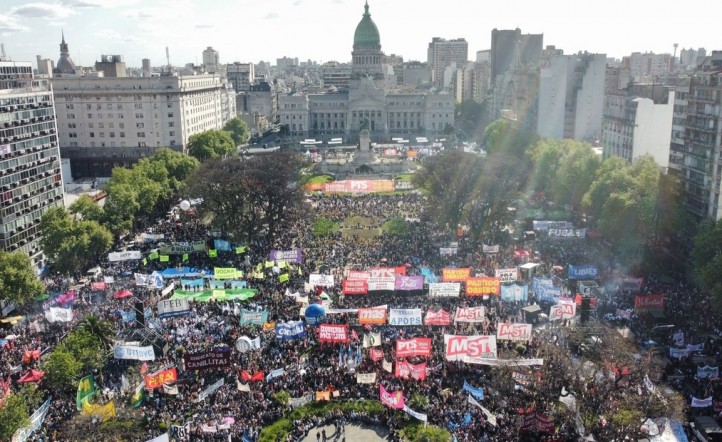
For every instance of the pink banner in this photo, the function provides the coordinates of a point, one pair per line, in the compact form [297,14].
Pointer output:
[408,283]
[442,317]
[376,354]
[98,286]
[333,333]
[405,370]
[391,400]
[354,287]
[66,297]
[406,348]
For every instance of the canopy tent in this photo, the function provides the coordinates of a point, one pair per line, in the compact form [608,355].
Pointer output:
[529,265]
[32,376]
[122,294]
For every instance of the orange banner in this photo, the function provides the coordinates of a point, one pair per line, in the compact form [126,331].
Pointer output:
[323,395]
[372,315]
[162,377]
[485,285]
[456,275]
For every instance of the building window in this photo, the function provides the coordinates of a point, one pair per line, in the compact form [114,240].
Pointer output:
[122,135]
[139,125]
[92,134]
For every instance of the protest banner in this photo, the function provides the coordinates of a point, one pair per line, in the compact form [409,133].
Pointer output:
[391,399]
[442,317]
[506,275]
[365,378]
[469,349]
[484,285]
[157,380]
[470,314]
[375,316]
[406,348]
[169,308]
[219,357]
[134,352]
[405,316]
[354,287]
[253,317]
[444,290]
[513,332]
[455,274]
[333,333]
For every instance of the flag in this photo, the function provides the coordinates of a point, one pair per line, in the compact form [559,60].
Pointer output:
[164,258]
[283,278]
[354,335]
[139,396]
[145,262]
[212,253]
[241,249]
[167,389]
[258,376]
[86,388]
[185,257]
[242,387]
[153,255]
[388,366]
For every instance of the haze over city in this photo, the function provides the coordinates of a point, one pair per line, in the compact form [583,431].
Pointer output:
[321,30]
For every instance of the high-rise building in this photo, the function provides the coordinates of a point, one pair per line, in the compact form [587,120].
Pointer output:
[146,67]
[571,97]
[509,47]
[648,66]
[45,66]
[108,122]
[638,121]
[701,162]
[211,60]
[30,171]
[286,63]
[240,75]
[441,53]
[335,74]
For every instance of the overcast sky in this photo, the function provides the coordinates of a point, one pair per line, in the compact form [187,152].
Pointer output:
[322,30]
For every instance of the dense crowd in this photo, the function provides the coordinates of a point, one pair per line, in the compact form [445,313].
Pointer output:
[240,408]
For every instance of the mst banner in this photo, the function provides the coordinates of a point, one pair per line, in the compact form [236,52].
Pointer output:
[484,285]
[513,332]
[469,314]
[470,349]
[442,317]
[455,275]
[206,360]
[333,333]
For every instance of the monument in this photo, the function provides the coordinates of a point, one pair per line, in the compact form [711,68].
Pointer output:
[364,162]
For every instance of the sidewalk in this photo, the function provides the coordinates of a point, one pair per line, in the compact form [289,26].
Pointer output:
[354,433]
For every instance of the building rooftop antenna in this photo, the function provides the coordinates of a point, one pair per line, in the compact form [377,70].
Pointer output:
[3,55]
[167,56]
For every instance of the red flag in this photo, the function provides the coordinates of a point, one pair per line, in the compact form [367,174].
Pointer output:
[376,354]
[258,376]
[245,376]
[144,368]
[354,335]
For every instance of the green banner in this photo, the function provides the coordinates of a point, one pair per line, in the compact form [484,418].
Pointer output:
[251,317]
[226,273]
[145,262]
[219,295]
[164,258]
[283,278]
[241,249]
[185,257]
[86,388]
[181,248]
[269,264]
[153,255]
[137,399]
[212,253]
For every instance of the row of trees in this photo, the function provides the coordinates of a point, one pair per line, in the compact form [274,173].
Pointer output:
[221,143]
[634,205]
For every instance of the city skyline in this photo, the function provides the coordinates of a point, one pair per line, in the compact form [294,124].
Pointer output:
[273,29]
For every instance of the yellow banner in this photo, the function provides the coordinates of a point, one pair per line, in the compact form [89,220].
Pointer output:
[323,396]
[226,273]
[104,411]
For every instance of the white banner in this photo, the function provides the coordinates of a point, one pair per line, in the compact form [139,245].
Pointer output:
[487,414]
[36,421]
[510,362]
[210,390]
[57,314]
[420,416]
[506,275]
[707,372]
[490,249]
[152,237]
[470,349]
[513,332]
[365,378]
[378,283]
[469,314]
[134,352]
[701,403]
[448,251]
[124,256]
[405,316]
[168,289]
[444,289]
[562,311]
[173,307]
[316,279]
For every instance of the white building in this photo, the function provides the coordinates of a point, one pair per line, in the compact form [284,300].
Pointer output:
[638,122]
[30,172]
[108,122]
[648,65]
[211,59]
[571,97]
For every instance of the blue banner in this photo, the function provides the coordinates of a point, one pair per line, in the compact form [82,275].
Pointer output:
[587,271]
[550,294]
[192,282]
[291,330]
[429,276]
[239,284]
[127,316]
[221,245]
[478,393]
[217,284]
[514,292]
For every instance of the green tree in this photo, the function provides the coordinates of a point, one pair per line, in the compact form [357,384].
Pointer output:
[211,144]
[707,259]
[178,165]
[102,329]
[396,227]
[72,245]
[501,135]
[238,129]
[86,348]
[61,370]
[121,208]
[87,209]
[324,227]
[13,415]
[18,281]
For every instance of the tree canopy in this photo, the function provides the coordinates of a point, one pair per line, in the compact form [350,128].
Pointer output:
[707,259]
[18,281]
[238,129]
[211,144]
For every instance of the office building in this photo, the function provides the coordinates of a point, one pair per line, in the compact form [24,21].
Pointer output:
[442,53]
[240,75]
[211,60]
[30,171]
[511,47]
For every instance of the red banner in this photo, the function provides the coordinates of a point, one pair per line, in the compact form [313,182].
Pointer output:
[333,333]
[405,370]
[649,303]
[162,377]
[406,348]
[455,275]
[354,286]
[98,286]
[372,316]
[442,317]
[578,300]
[246,376]
[359,186]
[376,354]
[485,285]
[381,272]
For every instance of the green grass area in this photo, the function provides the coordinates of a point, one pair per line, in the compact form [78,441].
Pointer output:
[404,177]
[314,178]
[396,226]
[324,227]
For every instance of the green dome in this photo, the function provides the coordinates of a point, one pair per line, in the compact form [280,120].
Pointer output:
[367,34]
